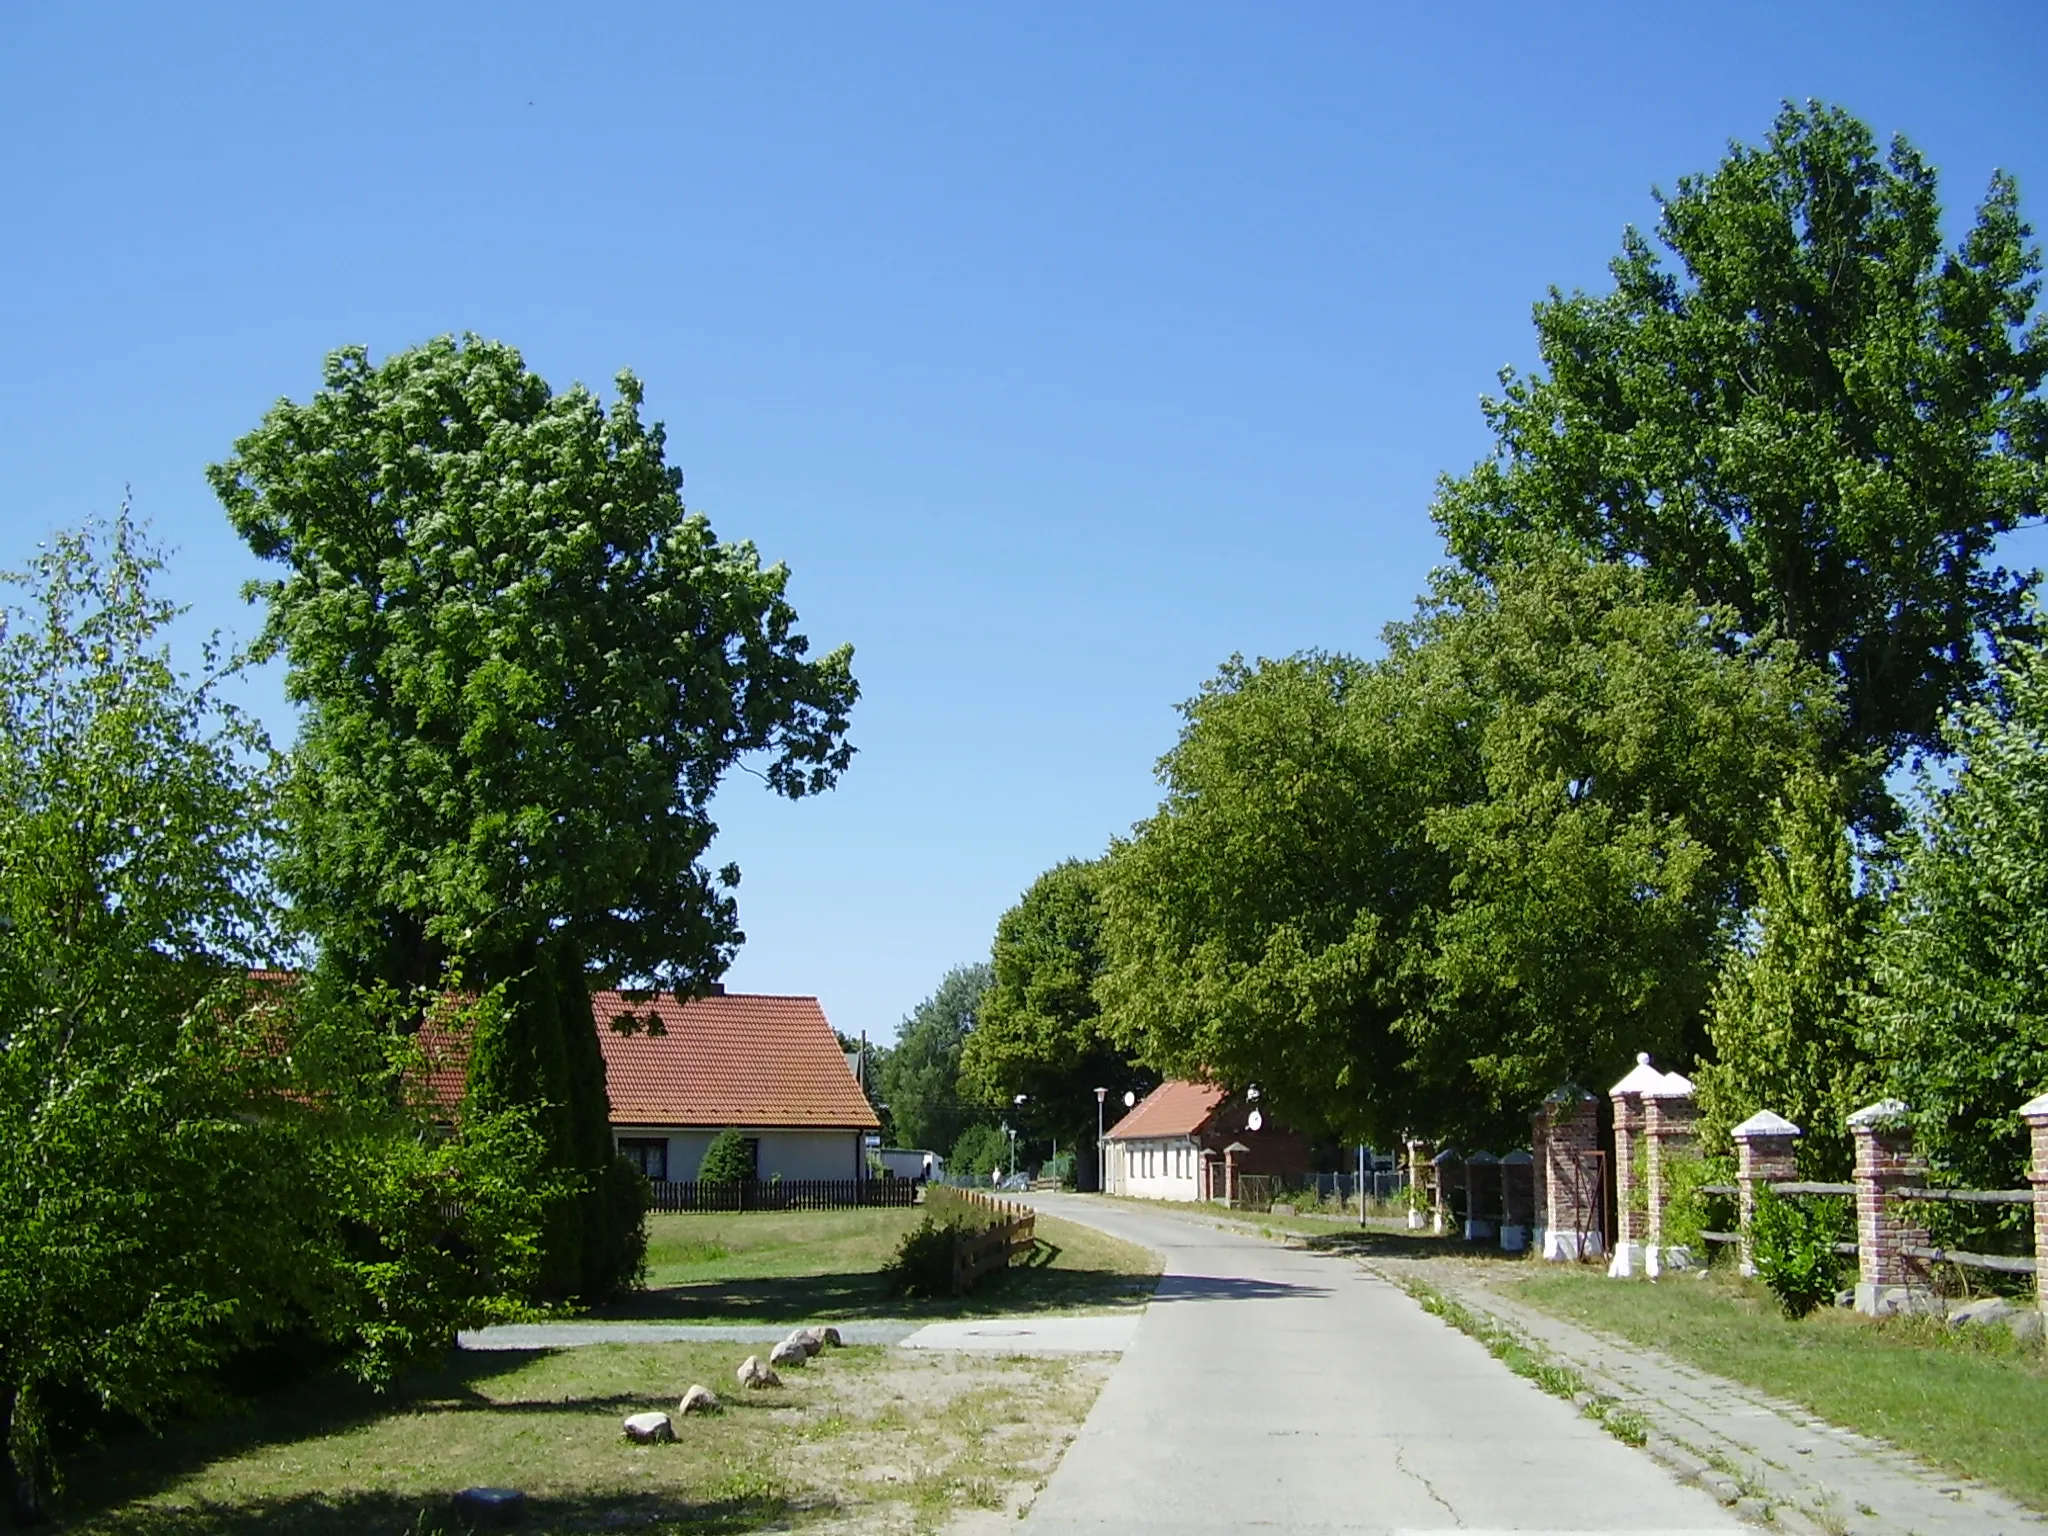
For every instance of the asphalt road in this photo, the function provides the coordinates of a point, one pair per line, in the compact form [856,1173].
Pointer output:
[1269,1388]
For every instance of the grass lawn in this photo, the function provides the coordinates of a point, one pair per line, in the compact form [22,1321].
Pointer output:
[802,1266]
[863,1440]
[1973,1400]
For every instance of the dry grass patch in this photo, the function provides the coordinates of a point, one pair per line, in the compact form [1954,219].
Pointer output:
[860,1441]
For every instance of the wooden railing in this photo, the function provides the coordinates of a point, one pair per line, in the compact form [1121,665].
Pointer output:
[1011,1233]
[780,1194]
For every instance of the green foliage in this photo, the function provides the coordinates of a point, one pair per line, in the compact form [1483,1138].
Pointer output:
[1039,1032]
[1418,894]
[146,1216]
[923,1262]
[920,1077]
[978,1152]
[1821,418]
[192,1160]
[1786,1025]
[1960,1017]
[727,1160]
[523,670]
[1793,1245]
[1688,1211]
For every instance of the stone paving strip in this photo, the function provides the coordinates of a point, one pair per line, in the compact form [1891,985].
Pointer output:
[507,1336]
[1066,1334]
[1770,1459]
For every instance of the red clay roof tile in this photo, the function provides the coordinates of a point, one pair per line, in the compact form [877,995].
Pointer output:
[740,1059]
[1171,1109]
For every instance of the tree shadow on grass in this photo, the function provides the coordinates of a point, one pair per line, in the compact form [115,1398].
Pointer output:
[108,1481]
[392,1514]
[1370,1244]
[1035,1282]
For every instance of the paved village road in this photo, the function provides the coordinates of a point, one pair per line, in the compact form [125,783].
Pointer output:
[1273,1389]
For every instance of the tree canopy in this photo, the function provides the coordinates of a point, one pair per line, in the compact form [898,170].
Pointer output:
[524,668]
[1040,1031]
[1959,1021]
[1822,418]
[1417,894]
[920,1076]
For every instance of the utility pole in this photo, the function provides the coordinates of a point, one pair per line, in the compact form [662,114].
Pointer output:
[1101,1160]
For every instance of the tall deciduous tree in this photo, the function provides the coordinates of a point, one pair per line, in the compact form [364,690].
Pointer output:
[1417,894]
[524,670]
[1821,417]
[920,1076]
[1960,1016]
[1786,1021]
[1040,1033]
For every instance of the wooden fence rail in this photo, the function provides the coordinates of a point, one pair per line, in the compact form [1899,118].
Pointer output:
[1012,1233]
[780,1194]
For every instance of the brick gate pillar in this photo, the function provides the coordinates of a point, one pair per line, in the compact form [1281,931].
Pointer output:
[1418,1180]
[1629,1224]
[1571,1176]
[1764,1155]
[1668,1119]
[2035,1113]
[1885,1227]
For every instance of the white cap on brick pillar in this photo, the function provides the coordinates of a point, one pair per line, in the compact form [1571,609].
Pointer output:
[2035,1109]
[1874,1116]
[1642,1077]
[1764,1123]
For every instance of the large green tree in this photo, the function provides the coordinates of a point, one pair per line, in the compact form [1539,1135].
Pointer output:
[1040,1032]
[523,669]
[1818,414]
[920,1076]
[1416,894]
[1959,1021]
[1786,1023]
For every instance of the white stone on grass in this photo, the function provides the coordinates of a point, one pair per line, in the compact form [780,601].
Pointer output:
[788,1352]
[697,1400]
[754,1374]
[1987,1309]
[650,1428]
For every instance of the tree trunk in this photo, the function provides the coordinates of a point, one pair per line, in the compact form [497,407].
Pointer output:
[26,1455]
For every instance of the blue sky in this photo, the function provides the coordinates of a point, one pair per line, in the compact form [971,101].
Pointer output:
[1060,350]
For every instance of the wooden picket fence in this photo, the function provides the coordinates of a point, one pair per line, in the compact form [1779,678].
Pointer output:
[1012,1232]
[780,1194]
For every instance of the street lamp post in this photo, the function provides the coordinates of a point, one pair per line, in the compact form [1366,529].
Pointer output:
[1101,1162]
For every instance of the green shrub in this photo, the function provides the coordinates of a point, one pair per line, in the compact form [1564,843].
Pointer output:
[923,1264]
[1689,1212]
[726,1160]
[1793,1242]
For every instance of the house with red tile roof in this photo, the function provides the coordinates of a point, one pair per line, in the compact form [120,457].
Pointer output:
[680,1070]
[1190,1141]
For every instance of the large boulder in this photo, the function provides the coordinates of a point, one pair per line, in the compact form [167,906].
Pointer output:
[810,1340]
[697,1400]
[650,1429]
[754,1374]
[788,1352]
[2027,1326]
[1987,1309]
[829,1336]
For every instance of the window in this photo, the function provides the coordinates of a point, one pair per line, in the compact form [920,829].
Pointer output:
[649,1155]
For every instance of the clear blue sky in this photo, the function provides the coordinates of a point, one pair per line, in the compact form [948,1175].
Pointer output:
[1060,350]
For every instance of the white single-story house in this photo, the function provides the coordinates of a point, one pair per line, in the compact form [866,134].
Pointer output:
[685,1069]
[1178,1142]
[769,1067]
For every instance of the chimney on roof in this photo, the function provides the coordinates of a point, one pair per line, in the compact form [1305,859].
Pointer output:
[715,989]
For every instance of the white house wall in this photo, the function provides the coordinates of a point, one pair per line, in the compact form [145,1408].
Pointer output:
[789,1154]
[1156,1168]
